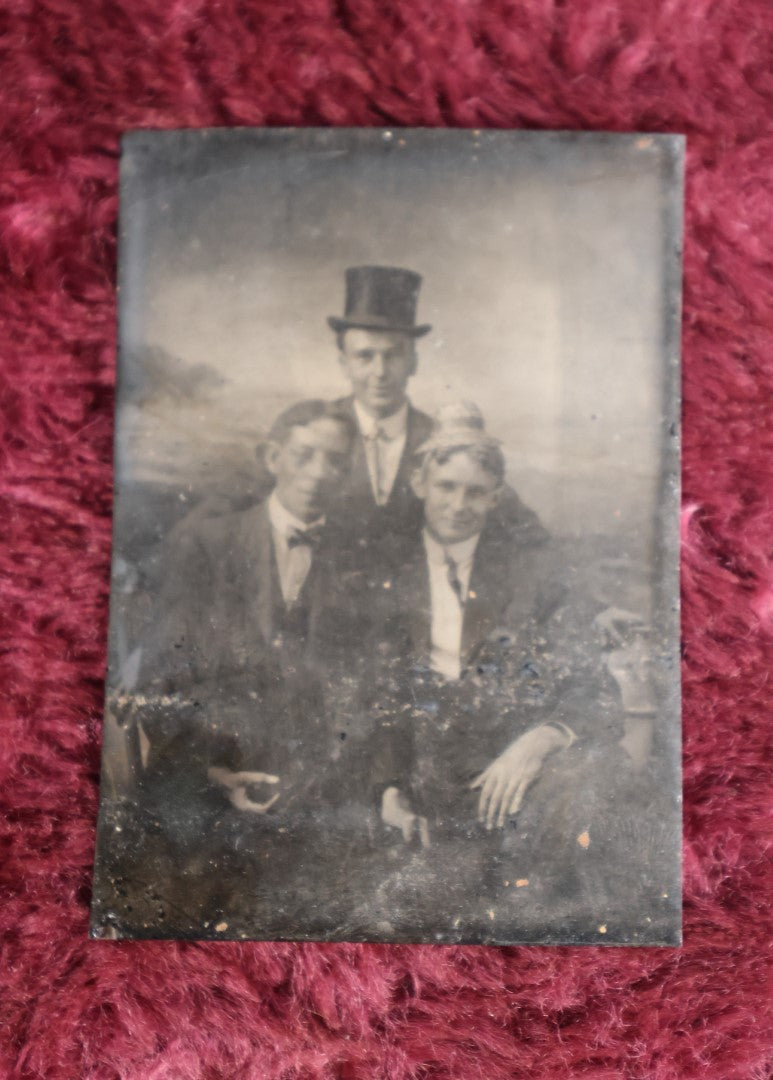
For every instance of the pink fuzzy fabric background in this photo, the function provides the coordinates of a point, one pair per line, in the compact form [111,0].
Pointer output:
[73,75]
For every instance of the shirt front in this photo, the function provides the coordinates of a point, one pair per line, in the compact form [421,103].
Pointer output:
[447,605]
[384,445]
[292,563]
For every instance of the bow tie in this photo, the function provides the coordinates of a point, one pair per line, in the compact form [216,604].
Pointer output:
[310,538]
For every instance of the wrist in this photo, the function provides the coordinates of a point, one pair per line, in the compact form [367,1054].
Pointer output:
[543,739]
[567,736]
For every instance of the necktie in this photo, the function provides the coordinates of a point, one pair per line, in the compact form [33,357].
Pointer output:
[305,537]
[453,578]
[379,438]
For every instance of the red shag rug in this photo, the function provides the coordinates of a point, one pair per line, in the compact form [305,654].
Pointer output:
[73,75]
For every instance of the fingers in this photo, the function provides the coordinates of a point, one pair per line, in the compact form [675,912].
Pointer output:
[486,792]
[517,799]
[507,798]
[396,812]
[239,799]
[423,832]
[481,778]
[503,791]
[612,629]
[528,776]
[220,776]
[497,787]
[414,825]
[494,777]
[254,778]
[232,780]
[496,801]
[392,812]
[618,623]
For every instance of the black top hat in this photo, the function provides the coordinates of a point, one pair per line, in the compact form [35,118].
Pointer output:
[381,298]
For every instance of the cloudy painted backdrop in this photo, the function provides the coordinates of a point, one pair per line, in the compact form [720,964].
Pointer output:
[549,266]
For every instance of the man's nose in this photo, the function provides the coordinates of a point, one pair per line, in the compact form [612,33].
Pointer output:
[319,467]
[379,366]
[458,500]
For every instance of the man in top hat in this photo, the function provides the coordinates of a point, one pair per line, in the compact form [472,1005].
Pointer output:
[377,352]
[376,339]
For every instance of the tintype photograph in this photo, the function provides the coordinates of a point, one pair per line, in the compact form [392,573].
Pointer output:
[394,609]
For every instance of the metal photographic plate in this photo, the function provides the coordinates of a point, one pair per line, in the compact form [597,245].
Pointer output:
[394,609]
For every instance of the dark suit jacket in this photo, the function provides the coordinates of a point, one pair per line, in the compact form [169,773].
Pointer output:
[248,691]
[527,655]
[506,591]
[380,534]
[375,528]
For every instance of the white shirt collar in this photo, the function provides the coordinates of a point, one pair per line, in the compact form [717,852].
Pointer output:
[393,426]
[286,523]
[461,552]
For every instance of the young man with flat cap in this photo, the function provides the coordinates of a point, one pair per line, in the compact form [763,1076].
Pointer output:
[488,706]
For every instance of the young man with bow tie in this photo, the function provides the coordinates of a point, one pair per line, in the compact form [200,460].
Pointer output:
[261,623]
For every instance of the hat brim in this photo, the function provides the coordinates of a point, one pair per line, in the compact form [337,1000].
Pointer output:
[339,325]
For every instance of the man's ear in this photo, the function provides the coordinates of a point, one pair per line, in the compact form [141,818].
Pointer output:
[414,362]
[271,456]
[496,495]
[341,352]
[343,363]
[418,486]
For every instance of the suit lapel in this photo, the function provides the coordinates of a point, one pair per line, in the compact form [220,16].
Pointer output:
[260,583]
[359,477]
[414,601]
[488,591]
[318,586]
[505,581]
[417,432]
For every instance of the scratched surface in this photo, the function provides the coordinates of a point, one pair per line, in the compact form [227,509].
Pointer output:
[550,267]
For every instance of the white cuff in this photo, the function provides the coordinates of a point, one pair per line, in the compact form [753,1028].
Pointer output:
[565,729]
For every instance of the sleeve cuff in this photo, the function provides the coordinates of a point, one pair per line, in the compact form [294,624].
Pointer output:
[564,729]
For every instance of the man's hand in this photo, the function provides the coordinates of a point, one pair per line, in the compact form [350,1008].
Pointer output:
[618,624]
[506,780]
[631,668]
[395,811]
[236,784]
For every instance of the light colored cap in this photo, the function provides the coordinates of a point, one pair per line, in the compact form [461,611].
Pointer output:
[457,426]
